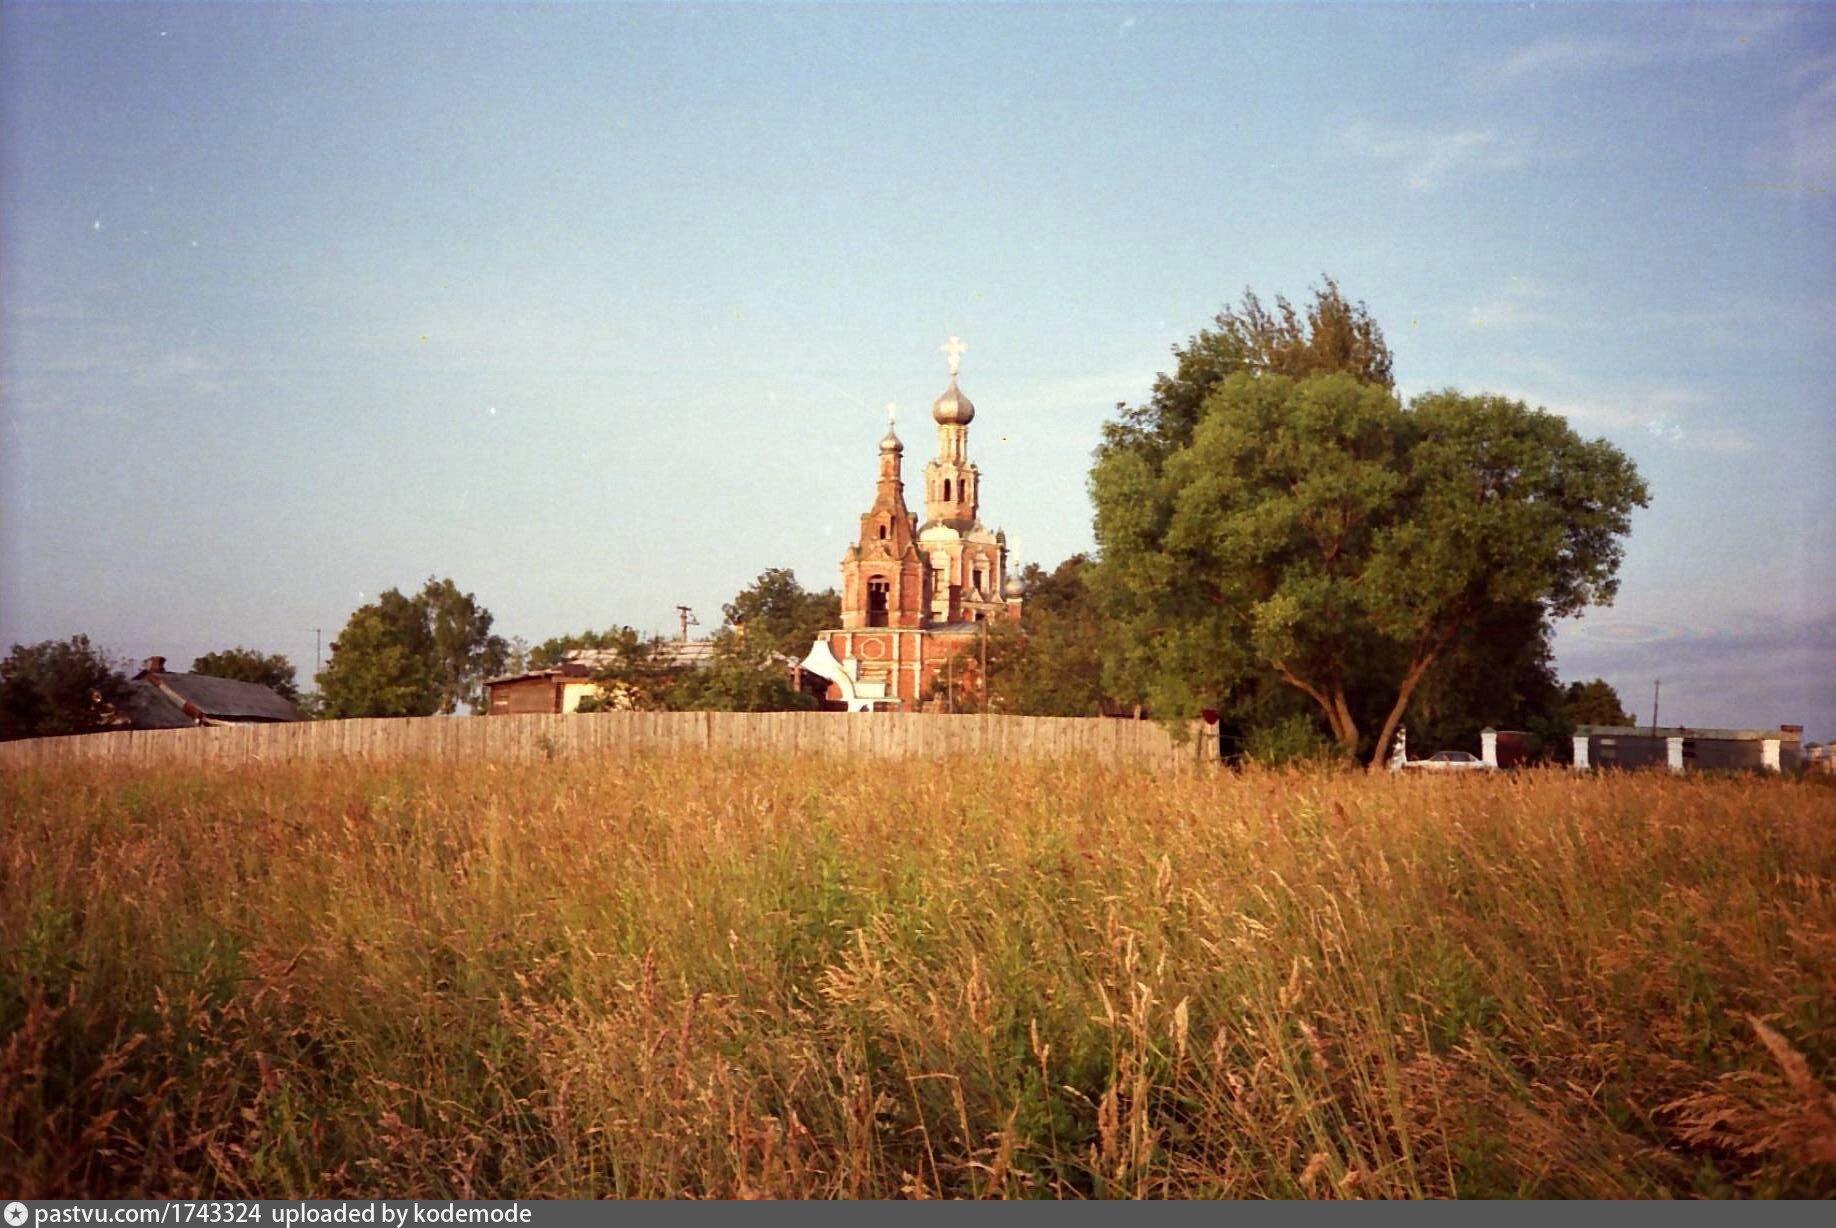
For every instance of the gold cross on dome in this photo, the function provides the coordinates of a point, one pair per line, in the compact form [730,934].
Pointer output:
[890,410]
[953,349]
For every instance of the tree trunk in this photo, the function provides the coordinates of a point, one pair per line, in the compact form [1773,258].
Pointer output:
[1337,710]
[1426,657]
[1417,668]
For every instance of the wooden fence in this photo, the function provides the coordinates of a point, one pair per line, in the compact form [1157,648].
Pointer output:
[541,736]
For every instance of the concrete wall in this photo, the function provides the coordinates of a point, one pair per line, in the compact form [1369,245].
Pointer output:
[1627,752]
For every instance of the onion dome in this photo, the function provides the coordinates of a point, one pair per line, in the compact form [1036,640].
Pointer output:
[891,442]
[1014,589]
[953,407]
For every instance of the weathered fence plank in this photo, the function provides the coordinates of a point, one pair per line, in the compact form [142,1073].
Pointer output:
[538,737]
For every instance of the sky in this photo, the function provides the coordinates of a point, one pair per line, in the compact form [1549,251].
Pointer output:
[596,309]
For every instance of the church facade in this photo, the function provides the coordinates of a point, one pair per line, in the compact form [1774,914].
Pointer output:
[917,595]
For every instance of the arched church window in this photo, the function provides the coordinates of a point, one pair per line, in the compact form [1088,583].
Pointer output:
[946,497]
[877,592]
[882,532]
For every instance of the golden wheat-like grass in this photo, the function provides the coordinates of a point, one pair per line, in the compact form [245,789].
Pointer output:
[773,976]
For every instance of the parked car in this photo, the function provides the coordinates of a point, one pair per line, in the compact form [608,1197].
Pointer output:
[1450,761]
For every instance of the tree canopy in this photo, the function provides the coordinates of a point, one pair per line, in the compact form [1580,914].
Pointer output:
[247,665]
[58,687]
[781,614]
[412,656]
[553,650]
[1595,703]
[1050,663]
[1332,334]
[1313,528]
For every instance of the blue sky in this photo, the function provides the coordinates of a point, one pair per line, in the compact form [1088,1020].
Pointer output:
[596,308]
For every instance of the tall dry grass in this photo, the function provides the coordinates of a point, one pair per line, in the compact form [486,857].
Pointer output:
[814,977]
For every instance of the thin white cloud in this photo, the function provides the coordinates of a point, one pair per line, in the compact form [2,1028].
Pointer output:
[1810,127]
[1705,33]
[1426,157]
[1522,302]
[1554,56]
[1672,417]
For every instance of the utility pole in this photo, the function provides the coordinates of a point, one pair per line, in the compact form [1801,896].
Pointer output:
[685,618]
[1655,684]
[316,652]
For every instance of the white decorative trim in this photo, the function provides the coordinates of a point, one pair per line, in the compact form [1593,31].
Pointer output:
[822,662]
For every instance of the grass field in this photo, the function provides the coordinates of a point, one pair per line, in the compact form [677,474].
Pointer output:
[742,976]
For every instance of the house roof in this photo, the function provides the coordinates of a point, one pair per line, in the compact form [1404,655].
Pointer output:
[1681,731]
[219,698]
[148,707]
[670,655]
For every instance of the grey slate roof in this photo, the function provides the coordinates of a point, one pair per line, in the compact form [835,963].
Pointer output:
[223,699]
[148,707]
[671,655]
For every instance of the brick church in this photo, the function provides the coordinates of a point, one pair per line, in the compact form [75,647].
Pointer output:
[916,594]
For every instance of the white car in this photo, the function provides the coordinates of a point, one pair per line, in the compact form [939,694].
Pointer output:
[1450,761]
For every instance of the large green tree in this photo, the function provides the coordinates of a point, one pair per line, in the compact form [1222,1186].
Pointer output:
[780,613]
[412,656]
[247,665]
[1315,530]
[58,687]
[465,650]
[1050,663]
[1503,506]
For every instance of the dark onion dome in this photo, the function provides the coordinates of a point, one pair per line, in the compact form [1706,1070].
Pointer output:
[953,407]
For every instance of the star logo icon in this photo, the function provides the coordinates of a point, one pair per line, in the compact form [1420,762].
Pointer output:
[15,1214]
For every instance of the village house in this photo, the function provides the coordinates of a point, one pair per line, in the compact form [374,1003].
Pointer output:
[161,700]
[917,594]
[561,688]
[557,689]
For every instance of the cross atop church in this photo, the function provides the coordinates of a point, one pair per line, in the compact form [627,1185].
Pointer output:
[953,348]
[890,410]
